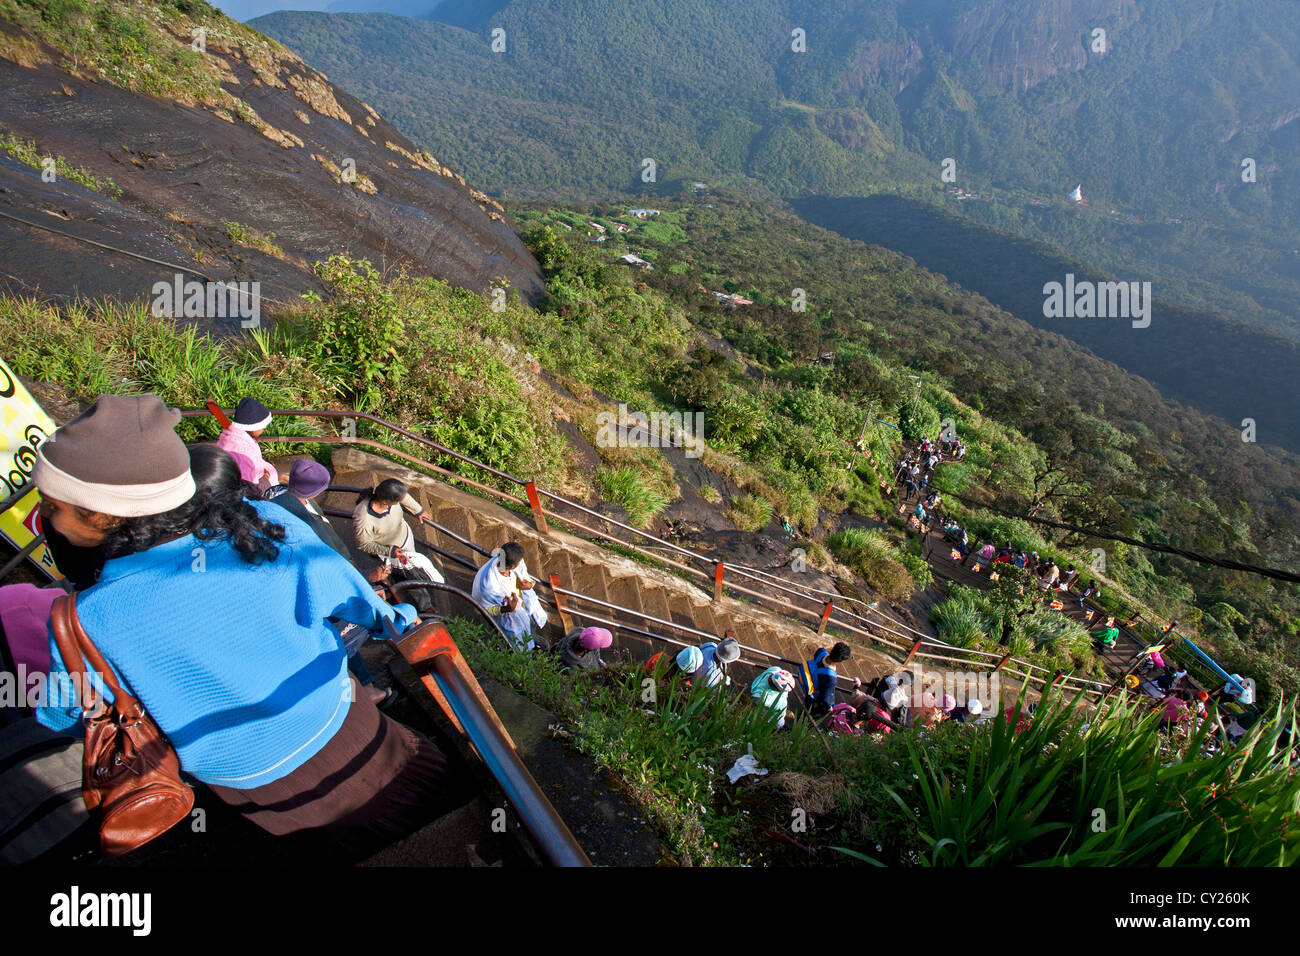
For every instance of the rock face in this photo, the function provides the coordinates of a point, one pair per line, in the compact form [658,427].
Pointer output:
[301,160]
[1020,43]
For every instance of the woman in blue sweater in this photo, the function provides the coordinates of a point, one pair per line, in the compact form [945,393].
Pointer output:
[215,612]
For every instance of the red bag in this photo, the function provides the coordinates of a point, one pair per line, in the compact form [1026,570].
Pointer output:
[130,772]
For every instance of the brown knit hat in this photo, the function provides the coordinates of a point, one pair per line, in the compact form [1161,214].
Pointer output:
[121,457]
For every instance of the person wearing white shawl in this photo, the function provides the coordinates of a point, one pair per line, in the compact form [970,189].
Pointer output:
[504,589]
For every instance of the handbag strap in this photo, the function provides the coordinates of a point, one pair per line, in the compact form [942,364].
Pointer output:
[74,644]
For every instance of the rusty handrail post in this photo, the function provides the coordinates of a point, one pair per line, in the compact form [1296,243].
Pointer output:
[437,660]
[916,646]
[826,615]
[534,502]
[561,604]
[717,581]
[1002,663]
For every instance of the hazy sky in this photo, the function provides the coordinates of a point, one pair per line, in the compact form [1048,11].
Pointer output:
[248,9]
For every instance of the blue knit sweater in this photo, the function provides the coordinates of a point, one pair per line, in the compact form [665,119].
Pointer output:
[235,661]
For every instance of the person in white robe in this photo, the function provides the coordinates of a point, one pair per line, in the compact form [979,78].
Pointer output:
[504,589]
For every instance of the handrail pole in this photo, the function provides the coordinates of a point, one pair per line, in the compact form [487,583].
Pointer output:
[434,655]
[539,516]
[912,653]
[561,606]
[540,512]
[826,613]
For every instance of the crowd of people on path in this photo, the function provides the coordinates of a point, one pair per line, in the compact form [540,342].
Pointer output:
[880,706]
[1167,687]
[224,598]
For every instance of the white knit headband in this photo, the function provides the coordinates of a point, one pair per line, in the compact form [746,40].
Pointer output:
[123,501]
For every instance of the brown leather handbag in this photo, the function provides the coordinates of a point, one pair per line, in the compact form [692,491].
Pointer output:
[130,772]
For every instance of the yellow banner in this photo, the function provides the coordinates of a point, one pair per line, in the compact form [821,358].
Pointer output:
[23,426]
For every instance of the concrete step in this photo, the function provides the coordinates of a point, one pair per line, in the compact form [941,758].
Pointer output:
[588,578]
[534,557]
[625,591]
[705,620]
[455,519]
[679,612]
[489,533]
[654,601]
[555,561]
[748,635]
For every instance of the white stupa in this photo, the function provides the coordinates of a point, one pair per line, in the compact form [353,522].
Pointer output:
[1077,195]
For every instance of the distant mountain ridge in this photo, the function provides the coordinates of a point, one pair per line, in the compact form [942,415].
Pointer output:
[1153,106]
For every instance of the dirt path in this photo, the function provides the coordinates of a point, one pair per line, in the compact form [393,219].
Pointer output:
[938,552]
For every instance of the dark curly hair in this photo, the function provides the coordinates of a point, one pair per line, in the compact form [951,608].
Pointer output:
[217,512]
[390,489]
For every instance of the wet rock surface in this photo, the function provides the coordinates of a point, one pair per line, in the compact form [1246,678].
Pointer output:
[185,171]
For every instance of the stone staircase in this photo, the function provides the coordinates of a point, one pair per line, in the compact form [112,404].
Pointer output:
[595,572]
[938,553]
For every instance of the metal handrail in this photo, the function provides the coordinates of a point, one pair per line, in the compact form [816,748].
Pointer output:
[23,553]
[641,614]
[739,569]
[431,651]
[442,449]
[399,586]
[305,439]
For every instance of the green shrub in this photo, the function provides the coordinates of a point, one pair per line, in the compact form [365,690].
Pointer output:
[750,512]
[918,419]
[919,569]
[624,487]
[958,623]
[357,333]
[875,559]
[1031,797]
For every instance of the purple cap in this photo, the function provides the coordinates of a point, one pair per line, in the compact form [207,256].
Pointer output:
[594,638]
[308,478]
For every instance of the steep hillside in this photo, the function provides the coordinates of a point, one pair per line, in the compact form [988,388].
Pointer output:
[1152,107]
[1252,371]
[1065,435]
[234,162]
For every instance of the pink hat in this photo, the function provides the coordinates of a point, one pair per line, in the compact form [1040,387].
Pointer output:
[947,703]
[595,638]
